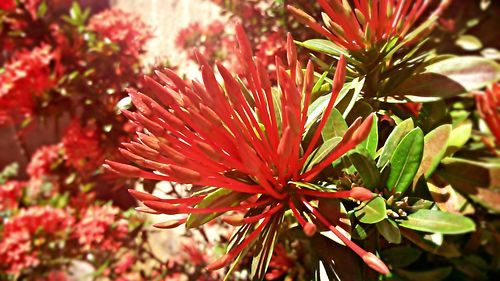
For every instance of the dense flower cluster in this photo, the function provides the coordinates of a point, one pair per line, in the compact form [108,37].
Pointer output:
[100,228]
[81,147]
[10,193]
[42,161]
[7,5]
[212,40]
[26,76]
[488,104]
[127,30]
[373,22]
[23,235]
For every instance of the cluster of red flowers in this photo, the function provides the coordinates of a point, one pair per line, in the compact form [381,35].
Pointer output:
[57,66]
[101,228]
[81,147]
[7,5]
[372,23]
[26,77]
[26,233]
[10,193]
[488,104]
[127,30]
[42,161]
[212,40]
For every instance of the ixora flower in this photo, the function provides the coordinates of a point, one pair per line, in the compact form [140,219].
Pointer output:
[245,145]
[370,22]
[488,103]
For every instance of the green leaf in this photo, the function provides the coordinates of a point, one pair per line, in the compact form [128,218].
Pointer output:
[323,46]
[371,212]
[366,168]
[438,222]
[335,125]
[405,161]
[469,42]
[219,198]
[401,256]
[450,77]
[435,144]
[264,250]
[323,151]
[390,230]
[371,142]
[393,140]
[458,138]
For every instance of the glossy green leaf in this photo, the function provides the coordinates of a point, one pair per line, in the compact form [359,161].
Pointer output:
[390,230]
[263,253]
[469,42]
[435,144]
[451,77]
[322,152]
[372,211]
[393,140]
[406,160]
[219,198]
[438,222]
[401,256]
[323,46]
[458,138]
[335,125]
[446,249]
[366,168]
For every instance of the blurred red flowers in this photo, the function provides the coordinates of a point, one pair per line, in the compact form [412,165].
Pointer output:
[26,76]
[127,30]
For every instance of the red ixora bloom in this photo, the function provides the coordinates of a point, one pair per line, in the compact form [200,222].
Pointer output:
[42,160]
[101,227]
[26,76]
[17,251]
[243,140]
[370,22]
[122,28]
[7,5]
[81,147]
[10,192]
[488,103]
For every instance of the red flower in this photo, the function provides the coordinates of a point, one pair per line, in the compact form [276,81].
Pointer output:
[238,140]
[43,160]
[101,227]
[488,104]
[7,5]
[374,22]
[16,253]
[17,250]
[26,76]
[122,28]
[81,147]
[280,263]
[50,220]
[10,193]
